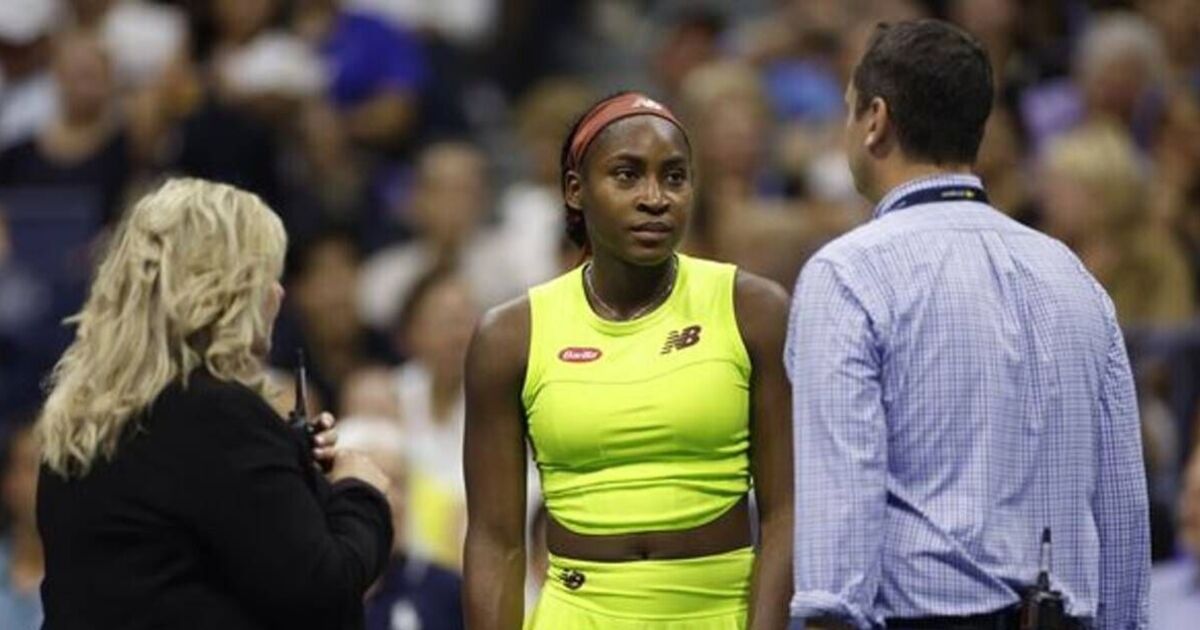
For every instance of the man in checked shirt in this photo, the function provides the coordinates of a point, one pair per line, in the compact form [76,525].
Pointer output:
[959,382]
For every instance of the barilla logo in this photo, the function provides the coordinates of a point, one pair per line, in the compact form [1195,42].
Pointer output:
[579,355]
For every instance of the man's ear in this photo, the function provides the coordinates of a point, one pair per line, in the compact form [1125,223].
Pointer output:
[573,190]
[879,125]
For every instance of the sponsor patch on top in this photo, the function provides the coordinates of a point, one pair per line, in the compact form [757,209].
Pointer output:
[579,355]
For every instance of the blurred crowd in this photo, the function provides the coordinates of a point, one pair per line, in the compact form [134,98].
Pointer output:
[412,149]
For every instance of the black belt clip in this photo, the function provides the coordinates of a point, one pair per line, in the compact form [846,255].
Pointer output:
[1043,608]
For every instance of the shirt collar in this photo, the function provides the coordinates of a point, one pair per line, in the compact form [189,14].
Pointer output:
[887,204]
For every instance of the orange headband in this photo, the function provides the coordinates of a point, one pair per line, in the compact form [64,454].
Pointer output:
[610,111]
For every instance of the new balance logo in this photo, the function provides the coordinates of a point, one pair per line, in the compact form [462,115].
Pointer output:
[680,339]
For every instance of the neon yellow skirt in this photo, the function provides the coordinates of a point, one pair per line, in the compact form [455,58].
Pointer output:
[706,593]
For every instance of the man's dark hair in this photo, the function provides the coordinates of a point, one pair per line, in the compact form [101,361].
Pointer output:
[937,82]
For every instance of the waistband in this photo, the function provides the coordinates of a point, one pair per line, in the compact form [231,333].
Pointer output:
[655,589]
[1004,619]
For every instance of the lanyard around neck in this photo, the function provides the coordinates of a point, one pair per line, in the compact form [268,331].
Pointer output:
[956,192]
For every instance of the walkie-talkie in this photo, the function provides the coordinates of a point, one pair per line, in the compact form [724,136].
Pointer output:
[1043,608]
[298,418]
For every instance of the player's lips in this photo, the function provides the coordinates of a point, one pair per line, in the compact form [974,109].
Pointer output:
[652,228]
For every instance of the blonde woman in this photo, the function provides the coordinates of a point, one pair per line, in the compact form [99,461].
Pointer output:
[171,494]
[1095,198]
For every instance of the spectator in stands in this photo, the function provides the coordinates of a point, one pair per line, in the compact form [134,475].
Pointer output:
[999,164]
[238,22]
[378,70]
[531,208]
[447,208]
[1176,21]
[742,212]
[1123,73]
[89,14]
[727,107]
[21,561]
[211,137]
[413,593]
[690,39]
[995,23]
[1094,199]
[277,81]
[433,330]
[371,391]
[1119,75]
[27,97]
[465,23]
[85,146]
[320,317]
[25,302]
[141,36]
[425,396]
[1174,194]
[1175,585]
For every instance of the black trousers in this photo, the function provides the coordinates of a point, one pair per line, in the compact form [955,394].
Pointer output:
[1007,619]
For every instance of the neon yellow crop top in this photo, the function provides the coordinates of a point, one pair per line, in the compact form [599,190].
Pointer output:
[641,425]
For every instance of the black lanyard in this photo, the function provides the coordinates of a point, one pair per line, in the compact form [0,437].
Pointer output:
[938,194]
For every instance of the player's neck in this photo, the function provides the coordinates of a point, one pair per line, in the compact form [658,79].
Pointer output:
[627,287]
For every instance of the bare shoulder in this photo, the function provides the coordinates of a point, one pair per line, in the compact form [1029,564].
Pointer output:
[500,344]
[758,299]
[761,306]
[508,320]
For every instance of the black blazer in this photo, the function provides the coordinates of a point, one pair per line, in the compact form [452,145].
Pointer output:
[211,515]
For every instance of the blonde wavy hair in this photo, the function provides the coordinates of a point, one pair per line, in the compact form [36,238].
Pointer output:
[1104,158]
[182,285]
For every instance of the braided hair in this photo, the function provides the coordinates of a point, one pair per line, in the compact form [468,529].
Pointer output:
[576,225]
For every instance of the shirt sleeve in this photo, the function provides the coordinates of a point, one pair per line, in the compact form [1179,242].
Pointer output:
[286,554]
[840,438]
[1121,506]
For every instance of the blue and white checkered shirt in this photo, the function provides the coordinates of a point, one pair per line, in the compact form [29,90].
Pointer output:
[960,382]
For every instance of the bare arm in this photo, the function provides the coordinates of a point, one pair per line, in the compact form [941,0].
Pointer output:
[494,465]
[762,311]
